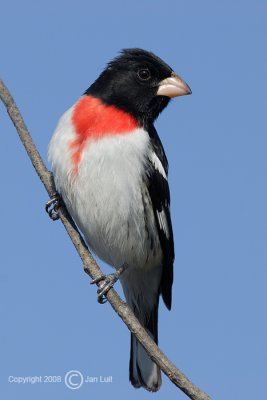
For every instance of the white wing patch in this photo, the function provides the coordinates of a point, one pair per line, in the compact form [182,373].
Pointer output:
[163,224]
[157,164]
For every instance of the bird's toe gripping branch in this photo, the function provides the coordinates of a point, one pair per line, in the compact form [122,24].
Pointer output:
[106,283]
[52,206]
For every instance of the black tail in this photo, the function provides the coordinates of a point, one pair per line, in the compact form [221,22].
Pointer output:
[143,371]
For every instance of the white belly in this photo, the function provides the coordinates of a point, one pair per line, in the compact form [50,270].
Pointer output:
[107,198]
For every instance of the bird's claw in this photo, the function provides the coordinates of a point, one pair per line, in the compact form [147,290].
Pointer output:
[52,206]
[106,283]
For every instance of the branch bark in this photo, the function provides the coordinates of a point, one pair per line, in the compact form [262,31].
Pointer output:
[90,265]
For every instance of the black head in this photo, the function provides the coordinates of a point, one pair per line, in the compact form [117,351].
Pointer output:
[132,82]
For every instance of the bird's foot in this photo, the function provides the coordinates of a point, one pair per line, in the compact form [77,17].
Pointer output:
[107,282]
[52,206]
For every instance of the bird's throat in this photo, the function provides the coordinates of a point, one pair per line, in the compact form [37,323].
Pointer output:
[94,120]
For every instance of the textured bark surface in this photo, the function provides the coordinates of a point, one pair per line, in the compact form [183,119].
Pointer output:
[90,265]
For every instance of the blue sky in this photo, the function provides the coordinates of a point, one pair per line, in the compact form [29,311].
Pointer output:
[216,145]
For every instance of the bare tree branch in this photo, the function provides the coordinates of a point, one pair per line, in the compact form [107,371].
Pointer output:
[90,265]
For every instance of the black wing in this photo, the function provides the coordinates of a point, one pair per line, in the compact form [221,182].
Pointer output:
[158,189]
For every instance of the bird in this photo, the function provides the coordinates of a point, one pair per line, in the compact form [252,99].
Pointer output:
[111,170]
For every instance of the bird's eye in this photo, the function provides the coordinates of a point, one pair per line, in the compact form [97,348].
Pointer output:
[144,74]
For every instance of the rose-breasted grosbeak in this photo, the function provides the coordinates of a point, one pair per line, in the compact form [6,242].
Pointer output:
[111,170]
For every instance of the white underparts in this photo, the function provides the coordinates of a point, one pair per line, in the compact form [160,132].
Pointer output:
[108,195]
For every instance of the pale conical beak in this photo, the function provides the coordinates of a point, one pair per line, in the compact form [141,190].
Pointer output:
[173,86]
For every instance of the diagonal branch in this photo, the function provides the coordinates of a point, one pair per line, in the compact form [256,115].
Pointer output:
[90,265]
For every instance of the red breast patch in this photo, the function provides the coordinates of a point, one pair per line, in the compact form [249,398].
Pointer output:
[93,120]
